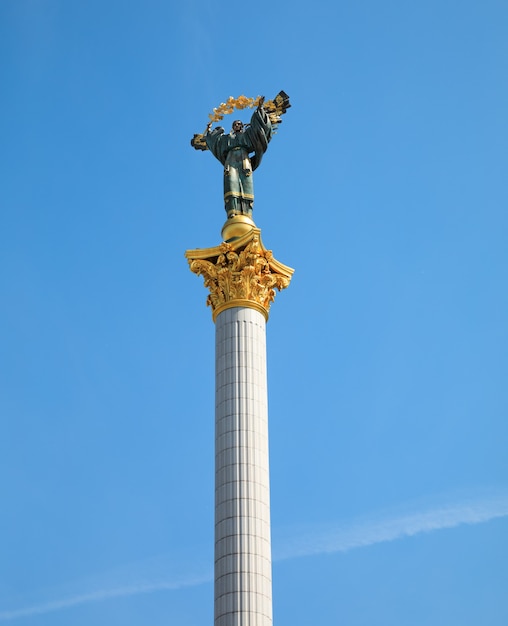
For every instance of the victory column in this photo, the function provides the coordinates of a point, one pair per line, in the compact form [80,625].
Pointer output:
[241,276]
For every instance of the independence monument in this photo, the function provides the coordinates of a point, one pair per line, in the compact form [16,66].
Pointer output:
[241,276]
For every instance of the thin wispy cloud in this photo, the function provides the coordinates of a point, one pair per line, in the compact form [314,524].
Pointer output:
[298,543]
[104,594]
[367,532]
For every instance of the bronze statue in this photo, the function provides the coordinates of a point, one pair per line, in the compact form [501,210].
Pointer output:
[242,149]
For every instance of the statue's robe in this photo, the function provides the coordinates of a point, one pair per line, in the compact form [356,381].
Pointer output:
[234,151]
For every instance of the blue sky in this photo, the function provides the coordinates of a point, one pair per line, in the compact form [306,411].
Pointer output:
[385,188]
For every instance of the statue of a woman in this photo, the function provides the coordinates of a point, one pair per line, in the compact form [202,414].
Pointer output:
[234,152]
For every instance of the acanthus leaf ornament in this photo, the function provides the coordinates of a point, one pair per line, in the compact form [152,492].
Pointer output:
[240,273]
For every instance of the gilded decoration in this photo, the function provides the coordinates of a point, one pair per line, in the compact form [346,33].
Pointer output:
[240,273]
[274,108]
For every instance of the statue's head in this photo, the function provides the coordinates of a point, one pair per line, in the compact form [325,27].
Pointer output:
[237,126]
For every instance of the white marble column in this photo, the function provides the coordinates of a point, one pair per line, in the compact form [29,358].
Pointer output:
[243,581]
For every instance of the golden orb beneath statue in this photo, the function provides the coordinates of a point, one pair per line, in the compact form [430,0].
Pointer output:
[236,227]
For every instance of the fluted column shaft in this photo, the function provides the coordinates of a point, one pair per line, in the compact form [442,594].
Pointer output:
[243,587]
